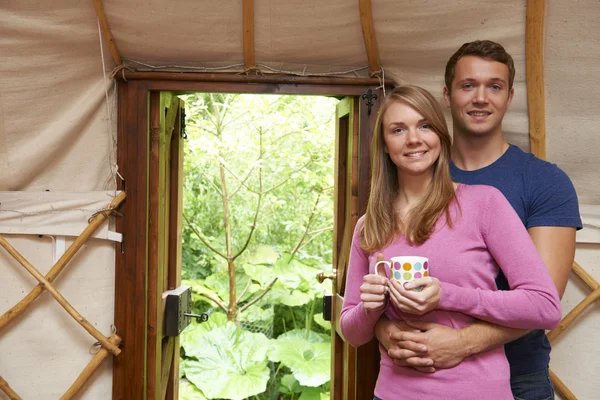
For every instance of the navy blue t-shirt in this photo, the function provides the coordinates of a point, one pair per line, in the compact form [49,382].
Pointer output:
[542,195]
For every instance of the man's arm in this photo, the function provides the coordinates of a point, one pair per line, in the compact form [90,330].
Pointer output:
[447,347]
[556,245]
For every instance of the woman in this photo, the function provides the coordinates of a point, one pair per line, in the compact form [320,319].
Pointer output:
[467,232]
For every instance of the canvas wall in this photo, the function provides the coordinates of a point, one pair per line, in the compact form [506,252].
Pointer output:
[57,121]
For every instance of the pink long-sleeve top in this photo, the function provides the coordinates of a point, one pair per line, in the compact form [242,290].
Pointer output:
[486,235]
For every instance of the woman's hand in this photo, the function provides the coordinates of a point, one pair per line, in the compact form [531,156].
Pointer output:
[373,292]
[407,299]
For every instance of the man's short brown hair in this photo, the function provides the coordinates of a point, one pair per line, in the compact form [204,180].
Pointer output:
[484,49]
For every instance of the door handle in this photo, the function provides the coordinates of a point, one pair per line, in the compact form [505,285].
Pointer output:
[321,276]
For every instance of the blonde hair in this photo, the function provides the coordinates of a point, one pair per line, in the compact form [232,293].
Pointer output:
[381,223]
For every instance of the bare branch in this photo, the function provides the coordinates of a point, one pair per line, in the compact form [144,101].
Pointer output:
[212,183]
[204,129]
[314,235]
[257,298]
[310,221]
[243,182]
[202,238]
[244,291]
[253,228]
[288,178]
[214,299]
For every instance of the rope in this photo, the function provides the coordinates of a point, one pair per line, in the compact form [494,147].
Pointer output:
[128,62]
[114,168]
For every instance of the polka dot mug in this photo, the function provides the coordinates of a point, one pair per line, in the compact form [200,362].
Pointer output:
[404,269]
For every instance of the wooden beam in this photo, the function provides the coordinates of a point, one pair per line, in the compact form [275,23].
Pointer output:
[89,370]
[5,387]
[585,277]
[534,59]
[248,25]
[366,23]
[573,314]
[129,369]
[230,78]
[106,31]
[561,388]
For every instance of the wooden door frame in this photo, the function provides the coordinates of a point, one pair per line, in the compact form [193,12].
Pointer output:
[131,265]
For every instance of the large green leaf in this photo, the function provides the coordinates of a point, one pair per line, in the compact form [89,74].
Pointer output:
[311,336]
[263,254]
[308,361]
[194,332]
[310,393]
[280,294]
[296,275]
[260,273]
[321,321]
[188,391]
[231,363]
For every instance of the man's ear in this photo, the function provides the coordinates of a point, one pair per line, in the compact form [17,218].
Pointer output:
[447,96]
[510,96]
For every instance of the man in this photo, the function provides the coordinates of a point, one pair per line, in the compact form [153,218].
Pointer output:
[478,90]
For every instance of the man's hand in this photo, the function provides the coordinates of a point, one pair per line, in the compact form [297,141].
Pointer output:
[409,300]
[442,344]
[373,292]
[405,353]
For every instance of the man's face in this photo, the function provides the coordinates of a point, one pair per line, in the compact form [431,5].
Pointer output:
[479,96]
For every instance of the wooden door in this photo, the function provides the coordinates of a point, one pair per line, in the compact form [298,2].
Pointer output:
[354,371]
[164,239]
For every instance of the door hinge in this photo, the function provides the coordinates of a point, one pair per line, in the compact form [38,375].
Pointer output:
[182,124]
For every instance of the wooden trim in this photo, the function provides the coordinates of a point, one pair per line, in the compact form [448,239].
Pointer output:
[131,271]
[585,277]
[248,26]
[89,369]
[573,314]
[129,368]
[230,77]
[367,126]
[5,387]
[368,29]
[175,241]
[106,31]
[534,60]
[154,282]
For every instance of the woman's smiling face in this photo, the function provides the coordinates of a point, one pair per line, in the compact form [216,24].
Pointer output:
[409,139]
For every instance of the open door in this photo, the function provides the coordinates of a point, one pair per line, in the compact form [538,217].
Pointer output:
[353,371]
[164,239]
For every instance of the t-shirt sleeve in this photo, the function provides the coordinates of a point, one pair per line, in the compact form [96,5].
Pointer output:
[357,324]
[552,197]
[532,302]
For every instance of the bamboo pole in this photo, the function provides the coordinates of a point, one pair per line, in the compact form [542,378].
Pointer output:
[4,386]
[566,321]
[248,27]
[585,277]
[89,370]
[96,221]
[368,29]
[561,388]
[106,31]
[534,60]
[59,297]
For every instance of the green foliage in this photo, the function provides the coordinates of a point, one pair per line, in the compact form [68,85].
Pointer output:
[261,168]
[230,362]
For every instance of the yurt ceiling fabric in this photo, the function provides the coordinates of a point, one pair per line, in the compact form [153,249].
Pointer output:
[56,128]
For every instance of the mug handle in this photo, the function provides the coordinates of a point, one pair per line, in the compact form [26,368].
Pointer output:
[381,271]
